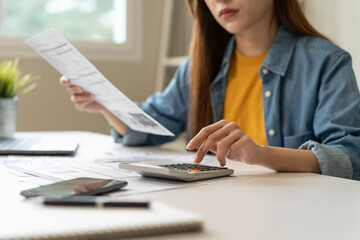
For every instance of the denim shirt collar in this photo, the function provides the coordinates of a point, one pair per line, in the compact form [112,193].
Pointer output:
[278,58]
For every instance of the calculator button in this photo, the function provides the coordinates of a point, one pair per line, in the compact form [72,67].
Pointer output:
[188,166]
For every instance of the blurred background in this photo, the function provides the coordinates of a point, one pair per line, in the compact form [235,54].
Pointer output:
[136,44]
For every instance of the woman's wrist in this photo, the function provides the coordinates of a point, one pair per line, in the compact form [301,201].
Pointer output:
[287,160]
[263,156]
[115,122]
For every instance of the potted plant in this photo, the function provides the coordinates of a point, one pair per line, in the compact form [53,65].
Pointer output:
[12,86]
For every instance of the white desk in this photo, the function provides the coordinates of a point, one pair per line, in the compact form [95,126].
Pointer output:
[267,205]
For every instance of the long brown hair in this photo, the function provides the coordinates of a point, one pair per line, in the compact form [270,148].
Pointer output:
[208,43]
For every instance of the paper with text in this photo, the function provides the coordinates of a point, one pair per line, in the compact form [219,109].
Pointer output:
[65,58]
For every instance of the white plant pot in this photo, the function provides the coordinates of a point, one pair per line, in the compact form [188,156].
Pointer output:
[8,116]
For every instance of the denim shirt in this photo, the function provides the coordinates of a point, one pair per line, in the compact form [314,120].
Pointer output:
[310,101]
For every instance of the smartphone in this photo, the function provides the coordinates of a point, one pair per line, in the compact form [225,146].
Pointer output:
[76,187]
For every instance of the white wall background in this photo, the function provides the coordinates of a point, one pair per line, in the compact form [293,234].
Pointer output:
[340,21]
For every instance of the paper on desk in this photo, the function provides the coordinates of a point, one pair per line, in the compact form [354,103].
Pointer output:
[65,58]
[61,168]
[44,170]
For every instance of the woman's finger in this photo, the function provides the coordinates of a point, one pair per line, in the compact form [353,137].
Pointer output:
[74,90]
[82,106]
[222,140]
[225,145]
[209,142]
[78,98]
[65,81]
[199,139]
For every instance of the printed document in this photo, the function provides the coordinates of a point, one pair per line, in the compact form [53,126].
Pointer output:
[65,58]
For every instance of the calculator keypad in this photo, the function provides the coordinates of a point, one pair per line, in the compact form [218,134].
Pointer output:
[188,167]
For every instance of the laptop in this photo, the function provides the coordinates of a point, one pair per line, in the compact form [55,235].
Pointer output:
[37,146]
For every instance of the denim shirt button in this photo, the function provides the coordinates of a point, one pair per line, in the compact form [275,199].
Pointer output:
[271,132]
[268,94]
[265,71]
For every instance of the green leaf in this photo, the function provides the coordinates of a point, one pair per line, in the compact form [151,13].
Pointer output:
[11,84]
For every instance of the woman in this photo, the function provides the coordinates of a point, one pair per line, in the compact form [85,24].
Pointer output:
[262,87]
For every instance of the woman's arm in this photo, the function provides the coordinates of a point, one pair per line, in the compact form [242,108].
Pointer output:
[86,102]
[288,160]
[169,108]
[227,140]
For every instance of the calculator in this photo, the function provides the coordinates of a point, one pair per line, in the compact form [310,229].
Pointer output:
[186,172]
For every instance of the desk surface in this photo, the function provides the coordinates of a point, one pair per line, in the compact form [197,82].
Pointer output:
[265,205]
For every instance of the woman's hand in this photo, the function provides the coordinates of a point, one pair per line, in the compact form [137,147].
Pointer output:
[82,101]
[86,102]
[227,140]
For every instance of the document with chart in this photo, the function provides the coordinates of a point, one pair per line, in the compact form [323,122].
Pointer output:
[65,58]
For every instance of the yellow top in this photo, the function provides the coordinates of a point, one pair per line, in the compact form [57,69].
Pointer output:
[243,98]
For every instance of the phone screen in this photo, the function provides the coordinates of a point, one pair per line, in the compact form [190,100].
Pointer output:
[77,186]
